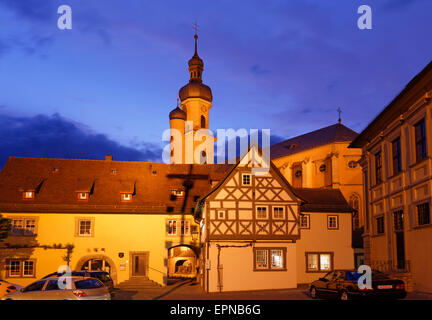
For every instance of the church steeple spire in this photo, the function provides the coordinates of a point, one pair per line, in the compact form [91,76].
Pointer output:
[196,65]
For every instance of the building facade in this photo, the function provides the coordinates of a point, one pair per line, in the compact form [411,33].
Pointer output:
[397,175]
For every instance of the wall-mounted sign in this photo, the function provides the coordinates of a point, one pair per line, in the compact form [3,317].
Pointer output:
[121,254]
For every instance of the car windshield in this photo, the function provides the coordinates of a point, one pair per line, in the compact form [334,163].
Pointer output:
[88,284]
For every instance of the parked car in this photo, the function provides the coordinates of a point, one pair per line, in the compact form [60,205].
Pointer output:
[101,275]
[82,288]
[7,287]
[342,284]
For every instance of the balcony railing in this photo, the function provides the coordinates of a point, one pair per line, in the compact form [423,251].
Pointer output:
[389,266]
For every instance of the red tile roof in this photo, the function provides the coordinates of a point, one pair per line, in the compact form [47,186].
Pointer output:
[151,184]
[322,200]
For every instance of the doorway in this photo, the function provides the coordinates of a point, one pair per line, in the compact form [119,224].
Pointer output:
[400,239]
[139,264]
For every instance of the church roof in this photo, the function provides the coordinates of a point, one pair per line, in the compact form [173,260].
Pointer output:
[151,185]
[334,133]
[322,200]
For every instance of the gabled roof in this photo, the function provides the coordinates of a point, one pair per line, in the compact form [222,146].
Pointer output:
[151,183]
[334,133]
[322,200]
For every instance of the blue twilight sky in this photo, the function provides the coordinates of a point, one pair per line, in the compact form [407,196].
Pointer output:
[108,84]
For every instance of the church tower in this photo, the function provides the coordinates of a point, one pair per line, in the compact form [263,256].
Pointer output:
[193,113]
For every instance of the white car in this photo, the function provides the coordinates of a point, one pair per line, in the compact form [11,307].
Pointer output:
[81,288]
[7,287]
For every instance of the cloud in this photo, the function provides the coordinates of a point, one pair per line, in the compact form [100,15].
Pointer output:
[55,137]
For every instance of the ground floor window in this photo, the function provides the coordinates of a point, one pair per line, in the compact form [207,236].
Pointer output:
[270,259]
[96,265]
[319,261]
[423,214]
[20,268]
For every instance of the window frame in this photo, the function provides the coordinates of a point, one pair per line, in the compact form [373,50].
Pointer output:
[180,226]
[420,140]
[23,229]
[128,199]
[78,221]
[378,168]
[328,222]
[21,263]
[269,251]
[418,214]
[243,181]
[283,213]
[396,156]
[378,225]
[80,198]
[25,195]
[319,267]
[307,216]
[266,210]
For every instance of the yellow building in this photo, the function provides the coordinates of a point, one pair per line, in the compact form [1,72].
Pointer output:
[397,173]
[122,217]
[322,159]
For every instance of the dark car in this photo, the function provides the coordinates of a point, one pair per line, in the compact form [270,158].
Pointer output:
[101,275]
[343,284]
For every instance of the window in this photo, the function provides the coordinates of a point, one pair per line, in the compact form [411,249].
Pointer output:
[332,222]
[319,261]
[84,227]
[52,285]
[221,215]
[352,164]
[298,173]
[28,195]
[269,259]
[354,203]
[398,220]
[185,227]
[379,225]
[304,221]
[82,195]
[36,286]
[178,193]
[378,168]
[278,212]
[420,140]
[423,214]
[183,224]
[23,226]
[246,179]
[126,197]
[322,168]
[203,122]
[261,212]
[396,154]
[172,227]
[21,268]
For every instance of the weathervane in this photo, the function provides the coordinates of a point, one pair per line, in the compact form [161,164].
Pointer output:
[339,111]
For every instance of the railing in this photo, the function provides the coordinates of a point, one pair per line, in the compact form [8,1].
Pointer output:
[390,266]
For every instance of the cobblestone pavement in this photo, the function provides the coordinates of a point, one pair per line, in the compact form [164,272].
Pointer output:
[189,290]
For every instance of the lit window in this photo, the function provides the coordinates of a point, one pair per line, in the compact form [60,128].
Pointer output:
[277,259]
[126,196]
[278,212]
[304,221]
[85,227]
[332,222]
[28,195]
[178,193]
[261,212]
[319,262]
[246,179]
[261,259]
[82,195]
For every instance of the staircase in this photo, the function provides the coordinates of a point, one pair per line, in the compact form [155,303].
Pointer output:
[138,283]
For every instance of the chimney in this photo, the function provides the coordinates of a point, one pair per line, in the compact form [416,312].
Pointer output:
[108,157]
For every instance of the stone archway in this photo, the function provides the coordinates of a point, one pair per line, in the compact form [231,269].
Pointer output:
[182,261]
[85,259]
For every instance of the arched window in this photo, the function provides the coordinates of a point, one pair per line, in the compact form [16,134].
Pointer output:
[203,122]
[354,202]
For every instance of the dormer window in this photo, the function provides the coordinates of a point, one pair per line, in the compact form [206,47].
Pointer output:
[126,197]
[28,195]
[83,195]
[178,193]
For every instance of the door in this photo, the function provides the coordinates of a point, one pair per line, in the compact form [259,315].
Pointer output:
[400,239]
[139,264]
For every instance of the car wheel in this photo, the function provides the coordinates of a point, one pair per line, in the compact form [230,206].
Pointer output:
[344,295]
[313,292]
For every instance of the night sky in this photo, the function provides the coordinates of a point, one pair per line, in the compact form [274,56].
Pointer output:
[108,84]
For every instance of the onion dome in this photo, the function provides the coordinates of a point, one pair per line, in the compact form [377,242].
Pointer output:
[177,113]
[195,88]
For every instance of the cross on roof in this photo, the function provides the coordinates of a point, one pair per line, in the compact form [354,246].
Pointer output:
[339,111]
[195,27]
